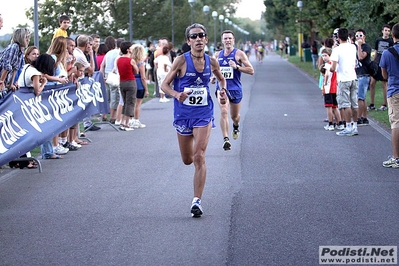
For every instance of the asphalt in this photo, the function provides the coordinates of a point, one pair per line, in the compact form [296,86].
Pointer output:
[286,188]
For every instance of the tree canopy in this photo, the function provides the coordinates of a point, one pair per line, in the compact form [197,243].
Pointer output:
[151,19]
[281,17]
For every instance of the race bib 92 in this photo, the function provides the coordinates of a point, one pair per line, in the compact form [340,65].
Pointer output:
[196,96]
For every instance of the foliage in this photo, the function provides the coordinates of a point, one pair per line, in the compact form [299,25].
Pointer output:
[151,19]
[281,17]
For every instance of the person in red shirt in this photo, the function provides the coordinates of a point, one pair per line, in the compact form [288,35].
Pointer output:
[128,87]
[329,90]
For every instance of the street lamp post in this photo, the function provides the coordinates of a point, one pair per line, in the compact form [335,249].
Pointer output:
[214,15]
[221,18]
[173,22]
[226,21]
[300,36]
[191,2]
[130,21]
[205,9]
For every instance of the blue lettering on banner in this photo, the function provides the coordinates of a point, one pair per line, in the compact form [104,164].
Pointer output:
[27,120]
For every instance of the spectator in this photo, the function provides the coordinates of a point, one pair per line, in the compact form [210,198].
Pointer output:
[343,59]
[138,54]
[107,66]
[64,22]
[126,68]
[102,50]
[163,68]
[11,59]
[381,44]
[315,55]
[363,77]
[390,70]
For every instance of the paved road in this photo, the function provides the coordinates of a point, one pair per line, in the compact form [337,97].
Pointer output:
[286,187]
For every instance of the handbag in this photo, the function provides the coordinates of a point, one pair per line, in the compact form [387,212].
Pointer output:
[113,79]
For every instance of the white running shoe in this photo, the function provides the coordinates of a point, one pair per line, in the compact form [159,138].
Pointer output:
[329,127]
[196,209]
[138,124]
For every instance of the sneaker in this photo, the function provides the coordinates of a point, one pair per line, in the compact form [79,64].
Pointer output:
[354,132]
[60,150]
[365,122]
[360,121]
[345,132]
[370,107]
[329,127]
[117,123]
[226,144]
[73,143]
[391,162]
[382,108]
[92,128]
[138,124]
[235,132]
[69,146]
[340,127]
[128,129]
[196,209]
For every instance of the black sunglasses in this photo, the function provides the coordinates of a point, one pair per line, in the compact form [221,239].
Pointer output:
[195,35]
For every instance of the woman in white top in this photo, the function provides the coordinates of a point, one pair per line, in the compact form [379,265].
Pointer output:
[164,66]
[32,74]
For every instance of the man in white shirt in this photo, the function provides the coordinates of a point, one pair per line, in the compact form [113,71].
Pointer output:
[343,59]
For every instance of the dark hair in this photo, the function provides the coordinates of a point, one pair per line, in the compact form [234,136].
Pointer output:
[119,41]
[385,26]
[227,31]
[165,50]
[395,31]
[343,34]
[44,64]
[110,42]
[322,69]
[194,26]
[63,18]
[361,30]
[102,49]
[125,47]
[329,42]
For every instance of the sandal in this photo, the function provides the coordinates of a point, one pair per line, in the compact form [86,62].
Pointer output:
[55,157]
[81,142]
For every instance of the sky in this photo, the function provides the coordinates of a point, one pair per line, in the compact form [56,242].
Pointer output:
[12,16]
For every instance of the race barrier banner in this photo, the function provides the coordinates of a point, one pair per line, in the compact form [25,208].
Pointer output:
[27,121]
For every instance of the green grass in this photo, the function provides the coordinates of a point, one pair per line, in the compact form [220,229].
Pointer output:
[379,116]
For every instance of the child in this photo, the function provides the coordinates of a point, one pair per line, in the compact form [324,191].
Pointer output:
[329,89]
[64,25]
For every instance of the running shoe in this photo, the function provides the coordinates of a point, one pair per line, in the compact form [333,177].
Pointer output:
[226,144]
[370,107]
[329,127]
[138,124]
[391,162]
[235,132]
[340,127]
[366,122]
[382,108]
[354,132]
[345,132]
[196,209]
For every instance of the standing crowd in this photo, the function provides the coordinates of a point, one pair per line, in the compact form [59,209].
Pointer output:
[348,70]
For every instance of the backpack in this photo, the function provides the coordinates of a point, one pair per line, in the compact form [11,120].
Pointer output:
[394,52]
[372,68]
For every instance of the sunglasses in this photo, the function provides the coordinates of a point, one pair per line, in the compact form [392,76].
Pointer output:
[195,35]
[359,35]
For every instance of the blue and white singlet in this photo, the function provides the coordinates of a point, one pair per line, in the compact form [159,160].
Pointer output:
[199,102]
[232,76]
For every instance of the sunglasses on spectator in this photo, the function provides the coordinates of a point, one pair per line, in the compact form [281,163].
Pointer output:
[359,35]
[195,35]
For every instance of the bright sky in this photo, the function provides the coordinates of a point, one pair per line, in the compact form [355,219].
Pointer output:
[12,15]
